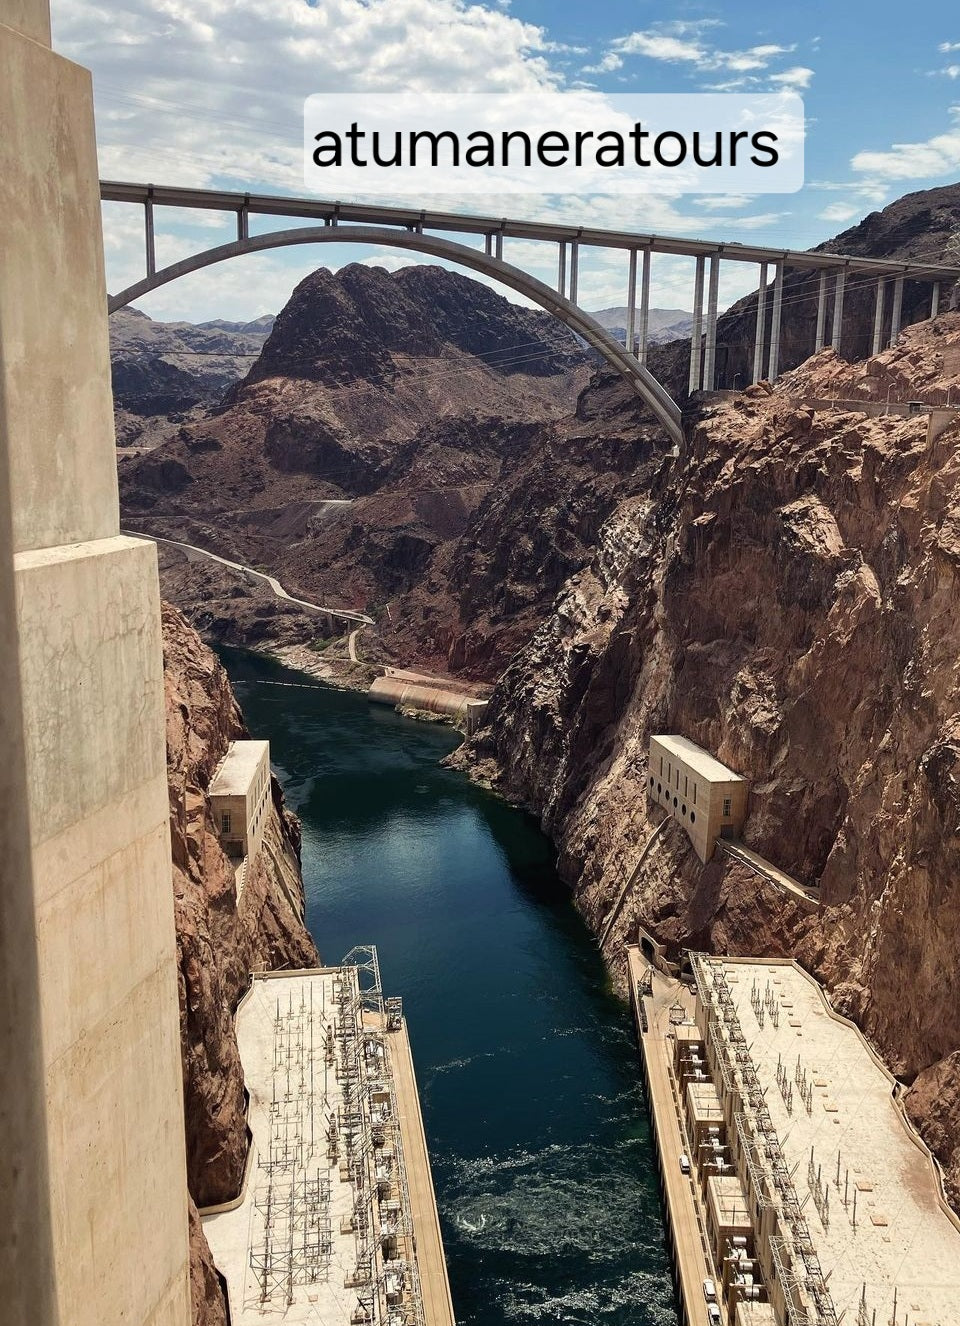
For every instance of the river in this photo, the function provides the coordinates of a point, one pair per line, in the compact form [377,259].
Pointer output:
[532,1101]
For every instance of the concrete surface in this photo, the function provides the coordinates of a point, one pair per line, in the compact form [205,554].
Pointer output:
[906,1238]
[91,708]
[437,1306]
[292,1096]
[58,407]
[685,1216]
[810,898]
[26,1244]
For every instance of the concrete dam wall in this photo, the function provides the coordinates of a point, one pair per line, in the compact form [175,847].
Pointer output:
[464,711]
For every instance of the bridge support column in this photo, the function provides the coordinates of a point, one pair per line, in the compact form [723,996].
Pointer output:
[696,347]
[761,319]
[878,316]
[488,245]
[897,310]
[838,290]
[498,245]
[821,312]
[644,307]
[574,270]
[243,223]
[148,237]
[562,268]
[935,299]
[632,303]
[710,349]
[774,364]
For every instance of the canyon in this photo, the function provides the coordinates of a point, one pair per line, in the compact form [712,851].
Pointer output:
[782,592]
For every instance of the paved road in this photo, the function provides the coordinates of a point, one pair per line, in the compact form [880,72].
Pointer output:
[189,548]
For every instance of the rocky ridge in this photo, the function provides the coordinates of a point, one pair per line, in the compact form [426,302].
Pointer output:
[784,593]
[220,938]
[167,372]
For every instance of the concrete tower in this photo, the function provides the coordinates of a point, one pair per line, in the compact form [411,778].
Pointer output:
[93,1221]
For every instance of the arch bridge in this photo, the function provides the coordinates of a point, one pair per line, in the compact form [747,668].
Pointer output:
[429,232]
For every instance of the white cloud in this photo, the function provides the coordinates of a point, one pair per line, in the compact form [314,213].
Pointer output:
[660,46]
[684,43]
[607,65]
[936,156]
[946,46]
[838,212]
[798,78]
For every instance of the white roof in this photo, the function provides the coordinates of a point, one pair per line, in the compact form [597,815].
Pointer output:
[699,760]
[905,1235]
[238,767]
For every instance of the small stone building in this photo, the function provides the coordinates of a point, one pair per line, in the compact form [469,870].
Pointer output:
[240,796]
[707,798]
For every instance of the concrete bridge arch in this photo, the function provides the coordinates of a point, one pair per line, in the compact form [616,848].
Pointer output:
[640,378]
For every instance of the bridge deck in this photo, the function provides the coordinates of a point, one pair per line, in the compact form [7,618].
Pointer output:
[333,212]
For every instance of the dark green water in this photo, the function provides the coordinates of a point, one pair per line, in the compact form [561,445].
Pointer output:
[532,1102]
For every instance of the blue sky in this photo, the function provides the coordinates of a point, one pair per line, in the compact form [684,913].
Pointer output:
[213,96]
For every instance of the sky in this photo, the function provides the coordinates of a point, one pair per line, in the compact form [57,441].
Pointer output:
[211,96]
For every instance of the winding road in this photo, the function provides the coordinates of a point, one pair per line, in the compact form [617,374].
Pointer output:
[346,614]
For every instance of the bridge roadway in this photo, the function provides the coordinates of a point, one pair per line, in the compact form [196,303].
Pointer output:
[333,213]
[346,614]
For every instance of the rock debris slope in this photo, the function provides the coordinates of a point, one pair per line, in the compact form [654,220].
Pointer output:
[220,940]
[786,594]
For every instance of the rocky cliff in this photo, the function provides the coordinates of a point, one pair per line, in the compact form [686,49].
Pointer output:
[784,593]
[220,938]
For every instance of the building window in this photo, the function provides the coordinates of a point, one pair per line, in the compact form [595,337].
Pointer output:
[674,803]
[684,784]
[661,766]
[694,794]
[693,817]
[678,780]
[651,780]
[683,809]
[225,822]
[659,787]
[726,808]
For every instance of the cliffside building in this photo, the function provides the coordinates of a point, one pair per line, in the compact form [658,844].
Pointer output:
[239,797]
[706,797]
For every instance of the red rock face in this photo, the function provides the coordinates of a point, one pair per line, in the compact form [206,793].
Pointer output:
[786,595]
[219,942]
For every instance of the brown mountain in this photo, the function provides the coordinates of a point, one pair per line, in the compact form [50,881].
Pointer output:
[407,445]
